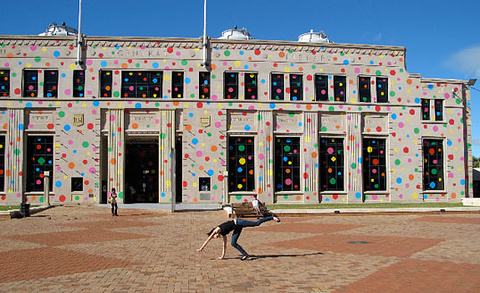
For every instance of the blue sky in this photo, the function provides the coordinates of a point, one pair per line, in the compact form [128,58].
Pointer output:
[442,37]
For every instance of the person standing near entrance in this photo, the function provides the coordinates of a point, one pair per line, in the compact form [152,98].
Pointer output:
[113,200]
[236,226]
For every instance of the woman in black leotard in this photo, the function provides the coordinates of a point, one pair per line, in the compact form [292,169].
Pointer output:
[236,226]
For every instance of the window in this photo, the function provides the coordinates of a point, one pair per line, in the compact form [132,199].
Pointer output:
[374,164]
[382,89]
[105,83]
[433,164]
[204,88]
[364,93]
[50,84]
[77,184]
[251,90]
[79,83]
[287,164]
[339,88]
[331,164]
[230,87]
[142,84]
[177,84]
[321,87]
[296,87]
[2,163]
[437,107]
[241,168]
[4,83]
[39,160]
[30,83]
[277,86]
[438,110]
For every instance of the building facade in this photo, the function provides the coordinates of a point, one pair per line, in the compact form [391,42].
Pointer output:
[293,122]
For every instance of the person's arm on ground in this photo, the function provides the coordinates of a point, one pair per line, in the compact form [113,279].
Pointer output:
[208,239]
[224,247]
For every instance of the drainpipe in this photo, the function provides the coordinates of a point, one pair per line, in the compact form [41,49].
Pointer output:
[79,40]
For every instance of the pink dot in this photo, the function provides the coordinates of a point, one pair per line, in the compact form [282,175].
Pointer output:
[288,181]
[199,153]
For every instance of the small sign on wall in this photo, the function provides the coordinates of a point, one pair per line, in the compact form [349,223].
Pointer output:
[78,120]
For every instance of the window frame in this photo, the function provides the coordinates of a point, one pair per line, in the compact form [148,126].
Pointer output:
[425,168]
[366,170]
[31,173]
[78,81]
[103,90]
[249,164]
[230,85]
[324,154]
[144,86]
[26,84]
[364,88]
[204,85]
[278,168]
[178,81]
[4,83]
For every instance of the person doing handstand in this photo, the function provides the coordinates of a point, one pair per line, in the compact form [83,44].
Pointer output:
[236,226]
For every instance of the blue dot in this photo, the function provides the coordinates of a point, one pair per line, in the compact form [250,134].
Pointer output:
[462,181]
[358,195]
[190,114]
[56,53]
[28,105]
[58,184]
[195,141]
[272,106]
[138,105]
[263,81]
[103,63]
[187,80]
[162,194]
[96,103]
[394,116]
[399,180]
[67,127]
[346,62]
[241,53]
[210,172]
[155,65]
[21,126]
[247,127]
[417,100]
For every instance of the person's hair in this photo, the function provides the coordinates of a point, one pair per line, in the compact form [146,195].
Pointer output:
[113,189]
[211,231]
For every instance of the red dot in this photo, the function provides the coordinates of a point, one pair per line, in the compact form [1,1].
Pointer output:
[257,52]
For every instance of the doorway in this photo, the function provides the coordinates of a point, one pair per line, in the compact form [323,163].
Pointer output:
[141,171]
[178,169]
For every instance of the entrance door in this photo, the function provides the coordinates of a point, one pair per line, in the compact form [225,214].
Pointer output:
[141,172]
[178,169]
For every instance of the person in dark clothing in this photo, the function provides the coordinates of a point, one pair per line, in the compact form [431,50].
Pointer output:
[236,226]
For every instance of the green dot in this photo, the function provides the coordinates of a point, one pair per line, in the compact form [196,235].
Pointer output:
[378,72]
[416,130]
[116,94]
[184,62]
[239,197]
[226,53]
[16,152]
[163,135]
[287,148]
[241,148]
[392,94]
[85,144]
[331,108]
[37,59]
[397,162]
[333,181]
[353,166]
[61,114]
[291,114]
[323,129]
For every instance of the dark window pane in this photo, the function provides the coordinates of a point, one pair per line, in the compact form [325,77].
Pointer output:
[374,164]
[364,93]
[79,83]
[251,90]
[382,89]
[241,166]
[204,80]
[287,164]
[433,164]
[230,80]
[77,184]
[296,87]
[50,88]
[438,110]
[142,84]
[106,83]
[2,163]
[339,88]
[39,160]
[4,83]
[277,86]
[177,85]
[425,109]
[321,87]
[30,83]
[331,164]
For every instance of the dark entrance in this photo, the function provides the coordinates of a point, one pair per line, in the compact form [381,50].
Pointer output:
[178,169]
[141,172]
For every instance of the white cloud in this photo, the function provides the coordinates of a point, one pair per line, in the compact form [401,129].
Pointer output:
[466,61]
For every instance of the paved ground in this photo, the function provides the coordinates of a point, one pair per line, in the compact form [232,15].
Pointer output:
[85,249]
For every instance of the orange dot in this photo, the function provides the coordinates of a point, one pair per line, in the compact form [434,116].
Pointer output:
[269,138]
[134,125]
[454,195]
[214,148]
[113,161]
[314,154]
[9,172]
[124,65]
[260,190]
[299,198]
[411,177]
[71,165]
[409,81]
[309,107]
[195,199]
[352,138]
[281,54]
[213,66]
[188,127]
